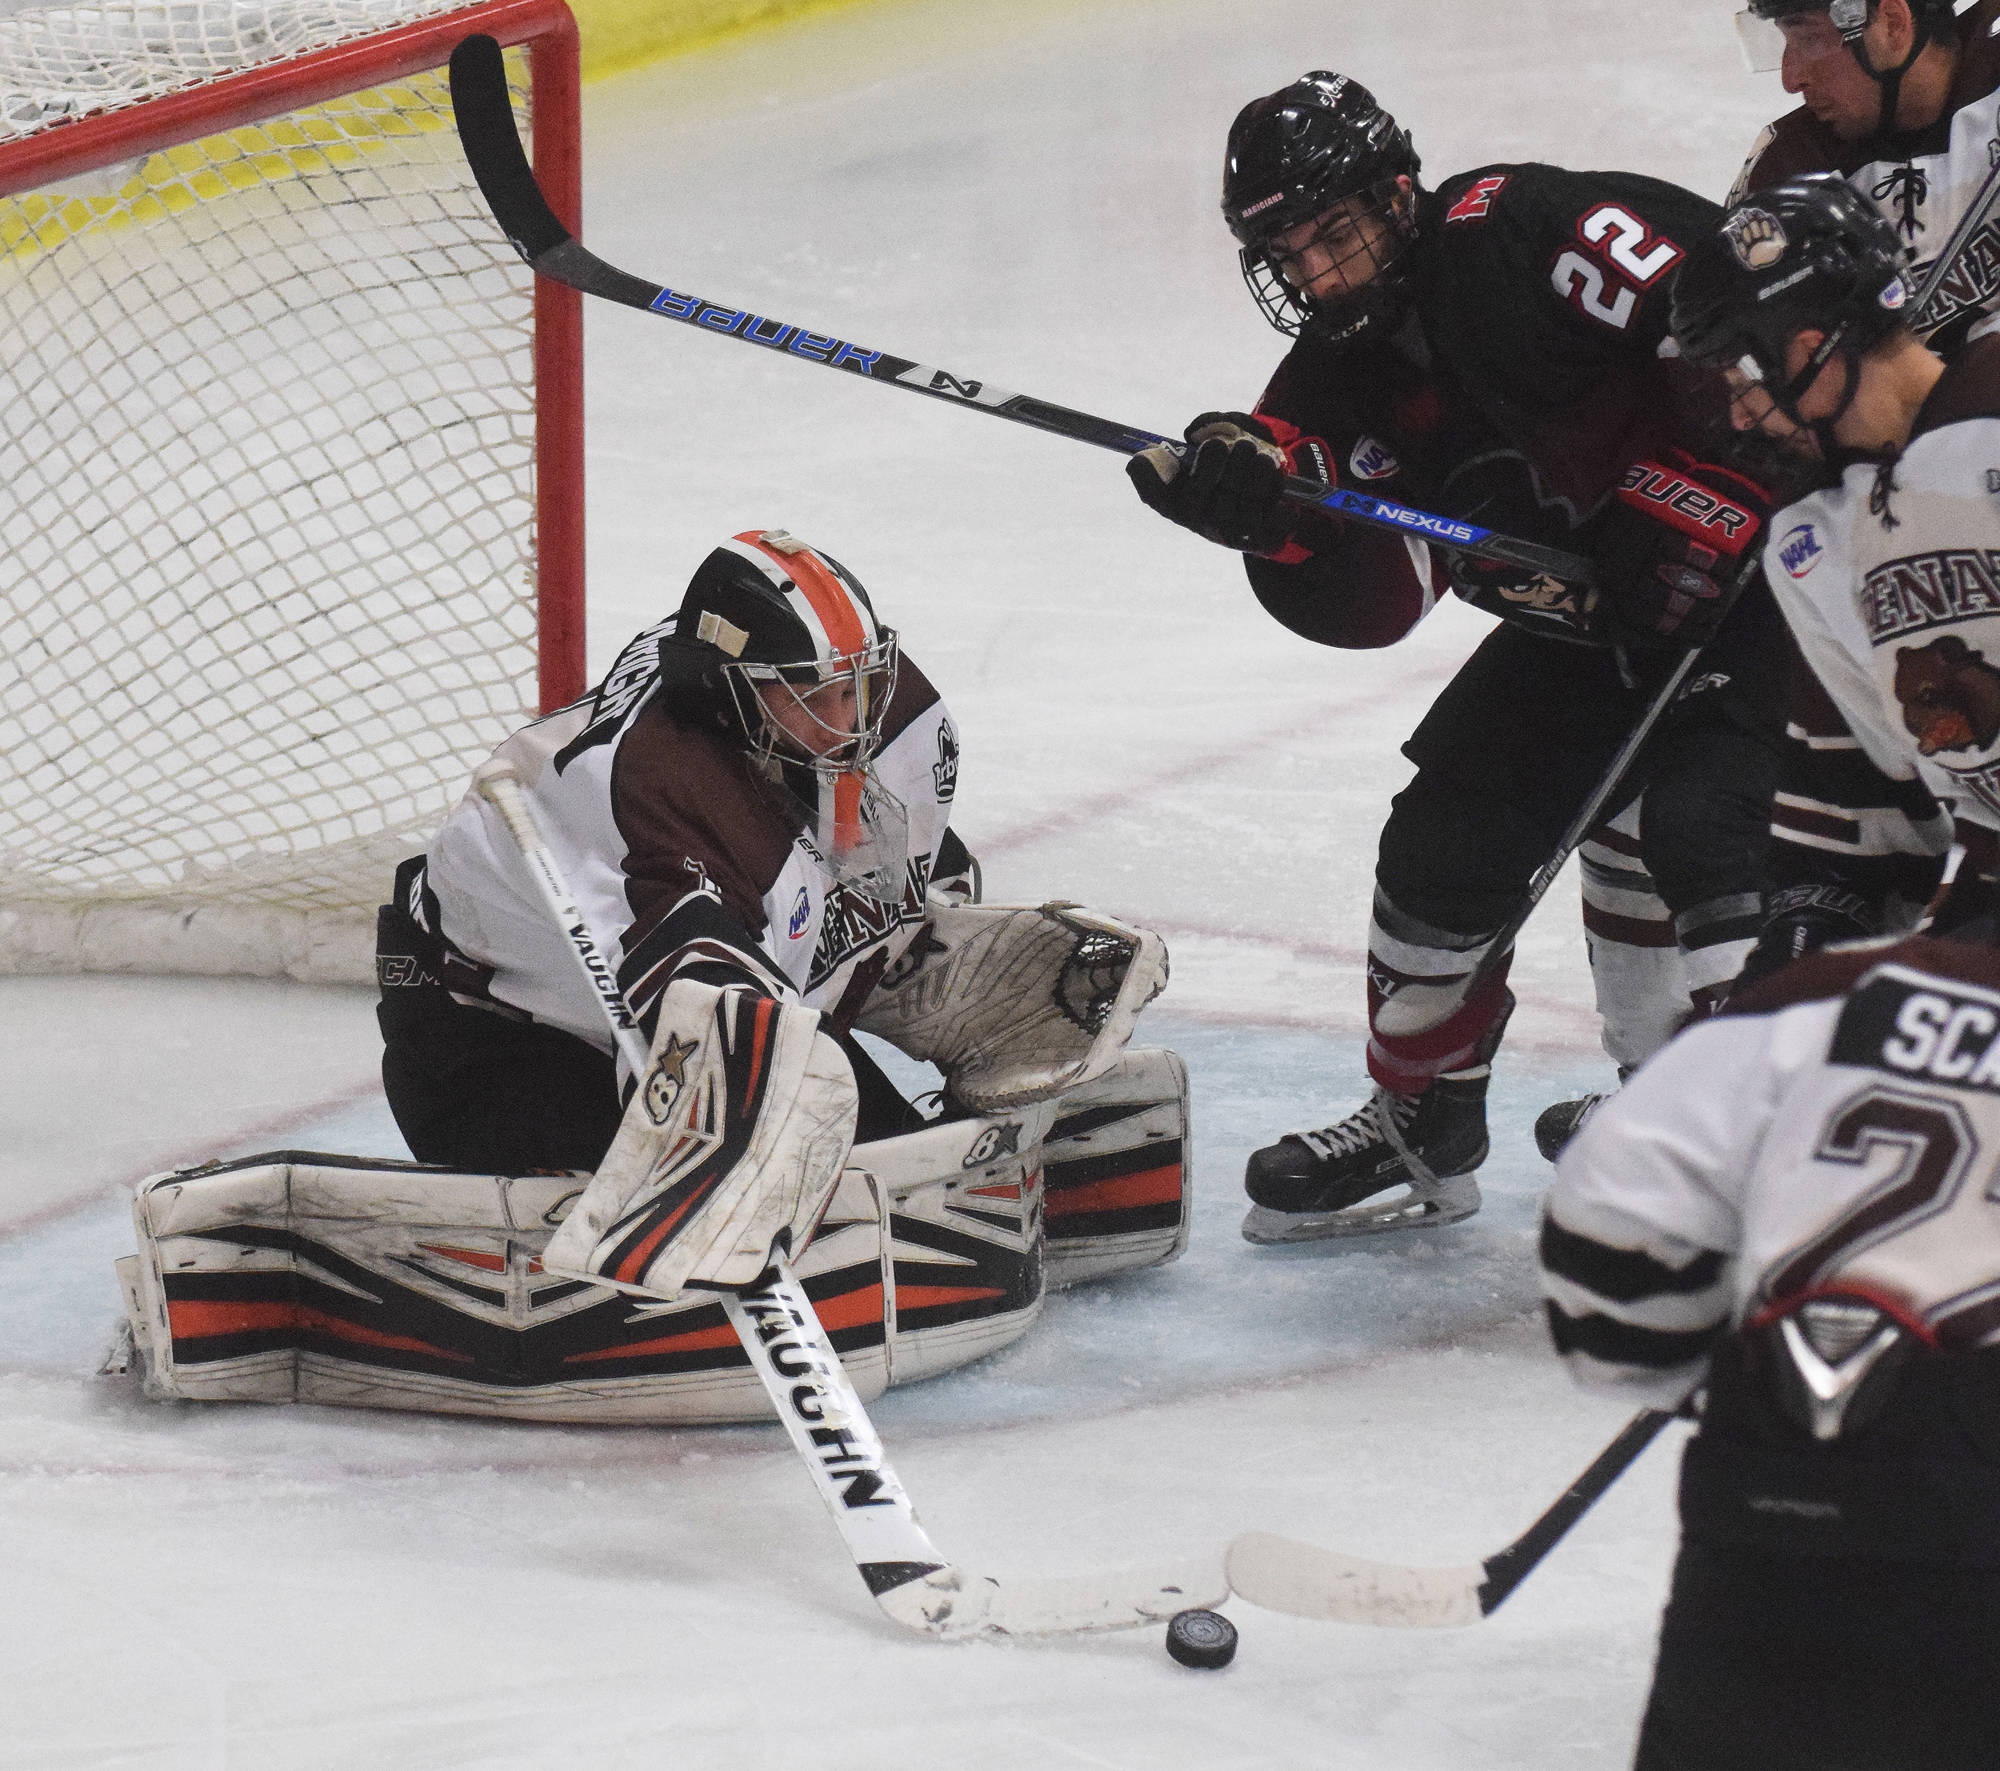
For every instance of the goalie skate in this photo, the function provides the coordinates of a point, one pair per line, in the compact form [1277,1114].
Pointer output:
[1399,1162]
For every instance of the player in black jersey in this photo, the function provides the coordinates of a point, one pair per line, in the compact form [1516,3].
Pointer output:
[1491,350]
[1792,1206]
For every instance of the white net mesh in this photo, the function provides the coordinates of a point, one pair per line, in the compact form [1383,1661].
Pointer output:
[266,482]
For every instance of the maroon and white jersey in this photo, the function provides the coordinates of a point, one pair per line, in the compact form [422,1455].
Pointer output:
[689,857]
[1890,583]
[1836,1131]
[1923,180]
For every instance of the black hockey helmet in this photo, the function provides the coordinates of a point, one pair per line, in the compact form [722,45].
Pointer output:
[781,642]
[1297,155]
[1810,255]
[1757,25]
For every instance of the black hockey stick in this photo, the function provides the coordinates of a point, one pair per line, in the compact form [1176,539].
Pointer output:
[493,150]
[1283,1574]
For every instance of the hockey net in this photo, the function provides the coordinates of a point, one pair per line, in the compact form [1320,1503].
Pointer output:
[290,484]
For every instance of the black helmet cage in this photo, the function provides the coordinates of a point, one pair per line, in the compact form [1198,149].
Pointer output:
[1295,156]
[1812,254]
[782,624]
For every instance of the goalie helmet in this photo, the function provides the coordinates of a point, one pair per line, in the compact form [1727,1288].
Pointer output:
[785,644]
[1811,255]
[1321,150]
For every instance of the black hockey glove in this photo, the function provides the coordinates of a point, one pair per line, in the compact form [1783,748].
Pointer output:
[1229,486]
[1668,549]
[1802,919]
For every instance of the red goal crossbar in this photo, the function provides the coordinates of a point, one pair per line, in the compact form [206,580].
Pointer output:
[72,146]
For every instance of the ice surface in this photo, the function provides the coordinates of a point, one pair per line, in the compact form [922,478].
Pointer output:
[1023,191]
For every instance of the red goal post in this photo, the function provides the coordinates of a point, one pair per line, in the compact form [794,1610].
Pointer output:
[291,495]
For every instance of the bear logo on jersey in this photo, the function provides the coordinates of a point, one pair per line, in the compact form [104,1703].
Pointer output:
[1756,238]
[1950,696]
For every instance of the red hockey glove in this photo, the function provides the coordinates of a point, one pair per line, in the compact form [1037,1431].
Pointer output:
[1670,546]
[1229,485]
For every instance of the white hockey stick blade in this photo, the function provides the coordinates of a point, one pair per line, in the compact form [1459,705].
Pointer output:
[1303,1580]
[957,1606]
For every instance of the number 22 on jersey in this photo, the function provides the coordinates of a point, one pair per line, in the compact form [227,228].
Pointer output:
[1629,257]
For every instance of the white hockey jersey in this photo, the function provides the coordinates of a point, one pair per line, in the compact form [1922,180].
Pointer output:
[685,859]
[1897,609]
[1925,189]
[1837,1134]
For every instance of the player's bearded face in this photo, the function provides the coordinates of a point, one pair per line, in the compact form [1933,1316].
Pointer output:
[1341,249]
[1820,68]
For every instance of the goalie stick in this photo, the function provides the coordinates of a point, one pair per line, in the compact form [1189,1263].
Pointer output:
[809,1390]
[1304,1580]
[485,119]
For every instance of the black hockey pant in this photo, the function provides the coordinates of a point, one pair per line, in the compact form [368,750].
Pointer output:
[485,1092]
[1505,759]
[1774,1662]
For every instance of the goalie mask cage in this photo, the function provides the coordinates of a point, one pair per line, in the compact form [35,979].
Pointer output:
[291,478]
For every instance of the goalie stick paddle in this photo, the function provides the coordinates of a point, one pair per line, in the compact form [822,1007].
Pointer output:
[485,118]
[1304,1580]
[810,1392]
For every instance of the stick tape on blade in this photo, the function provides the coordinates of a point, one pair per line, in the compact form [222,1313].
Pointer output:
[1303,1580]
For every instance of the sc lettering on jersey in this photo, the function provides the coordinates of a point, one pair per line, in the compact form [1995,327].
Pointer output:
[1921,1030]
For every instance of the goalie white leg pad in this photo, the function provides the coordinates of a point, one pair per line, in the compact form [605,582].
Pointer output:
[362,1284]
[1016,1003]
[1117,1171]
[966,1236]
[735,1136]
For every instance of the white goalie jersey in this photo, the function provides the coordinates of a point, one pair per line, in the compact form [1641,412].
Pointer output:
[688,860]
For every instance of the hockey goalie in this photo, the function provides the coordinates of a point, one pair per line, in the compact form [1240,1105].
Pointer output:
[753,813]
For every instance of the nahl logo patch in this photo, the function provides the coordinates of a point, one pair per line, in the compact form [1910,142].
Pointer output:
[1799,551]
[1371,460]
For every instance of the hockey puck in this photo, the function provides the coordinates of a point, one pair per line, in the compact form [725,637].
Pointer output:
[1201,1638]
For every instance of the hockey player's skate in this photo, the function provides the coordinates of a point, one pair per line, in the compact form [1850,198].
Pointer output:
[1556,1125]
[1417,1152]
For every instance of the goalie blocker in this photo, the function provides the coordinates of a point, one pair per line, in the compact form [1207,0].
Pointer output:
[295,1277]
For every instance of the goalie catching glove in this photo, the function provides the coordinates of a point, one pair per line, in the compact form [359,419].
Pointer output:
[1015,1003]
[732,1144]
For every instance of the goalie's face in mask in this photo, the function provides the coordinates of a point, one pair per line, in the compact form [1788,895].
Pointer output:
[822,723]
